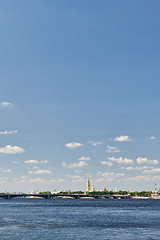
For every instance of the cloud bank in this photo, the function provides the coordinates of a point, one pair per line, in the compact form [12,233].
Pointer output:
[6,104]
[84,158]
[112,149]
[121,160]
[11,150]
[73,145]
[80,164]
[32,161]
[122,139]
[95,143]
[8,132]
[107,163]
[40,172]
[141,160]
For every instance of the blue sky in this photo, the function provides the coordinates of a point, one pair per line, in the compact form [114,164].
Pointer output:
[79,89]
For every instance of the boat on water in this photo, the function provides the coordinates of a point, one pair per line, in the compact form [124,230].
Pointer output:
[155,196]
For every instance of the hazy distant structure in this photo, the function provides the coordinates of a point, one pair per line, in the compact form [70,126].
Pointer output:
[104,189]
[93,189]
[88,184]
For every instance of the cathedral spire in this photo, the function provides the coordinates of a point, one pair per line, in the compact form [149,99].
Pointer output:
[88,183]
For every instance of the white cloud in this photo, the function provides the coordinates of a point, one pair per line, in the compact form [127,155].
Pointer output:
[79,180]
[107,163]
[44,161]
[95,143]
[3,180]
[136,179]
[11,150]
[37,180]
[63,164]
[75,165]
[73,145]
[141,160]
[78,165]
[109,176]
[122,168]
[77,170]
[40,180]
[15,162]
[154,170]
[149,178]
[8,132]
[121,160]
[122,139]
[152,138]
[60,180]
[31,161]
[138,168]
[6,104]
[40,172]
[23,177]
[84,158]
[7,170]
[101,180]
[35,167]
[112,149]
[73,176]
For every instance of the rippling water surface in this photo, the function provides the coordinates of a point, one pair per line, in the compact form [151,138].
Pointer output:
[79,219]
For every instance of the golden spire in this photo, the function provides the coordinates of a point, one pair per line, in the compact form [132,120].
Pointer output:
[88,183]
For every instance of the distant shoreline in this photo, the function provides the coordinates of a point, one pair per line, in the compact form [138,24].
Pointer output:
[76,196]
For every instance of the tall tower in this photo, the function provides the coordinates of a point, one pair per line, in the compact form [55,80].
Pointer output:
[88,184]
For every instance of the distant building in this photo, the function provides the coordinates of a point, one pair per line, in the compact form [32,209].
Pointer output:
[88,184]
[93,189]
[104,189]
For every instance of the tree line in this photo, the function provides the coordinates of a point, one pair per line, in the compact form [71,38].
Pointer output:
[107,193]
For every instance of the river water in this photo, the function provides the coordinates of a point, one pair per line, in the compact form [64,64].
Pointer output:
[60,219]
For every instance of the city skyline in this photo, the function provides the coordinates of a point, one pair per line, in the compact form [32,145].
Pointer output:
[79,90]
